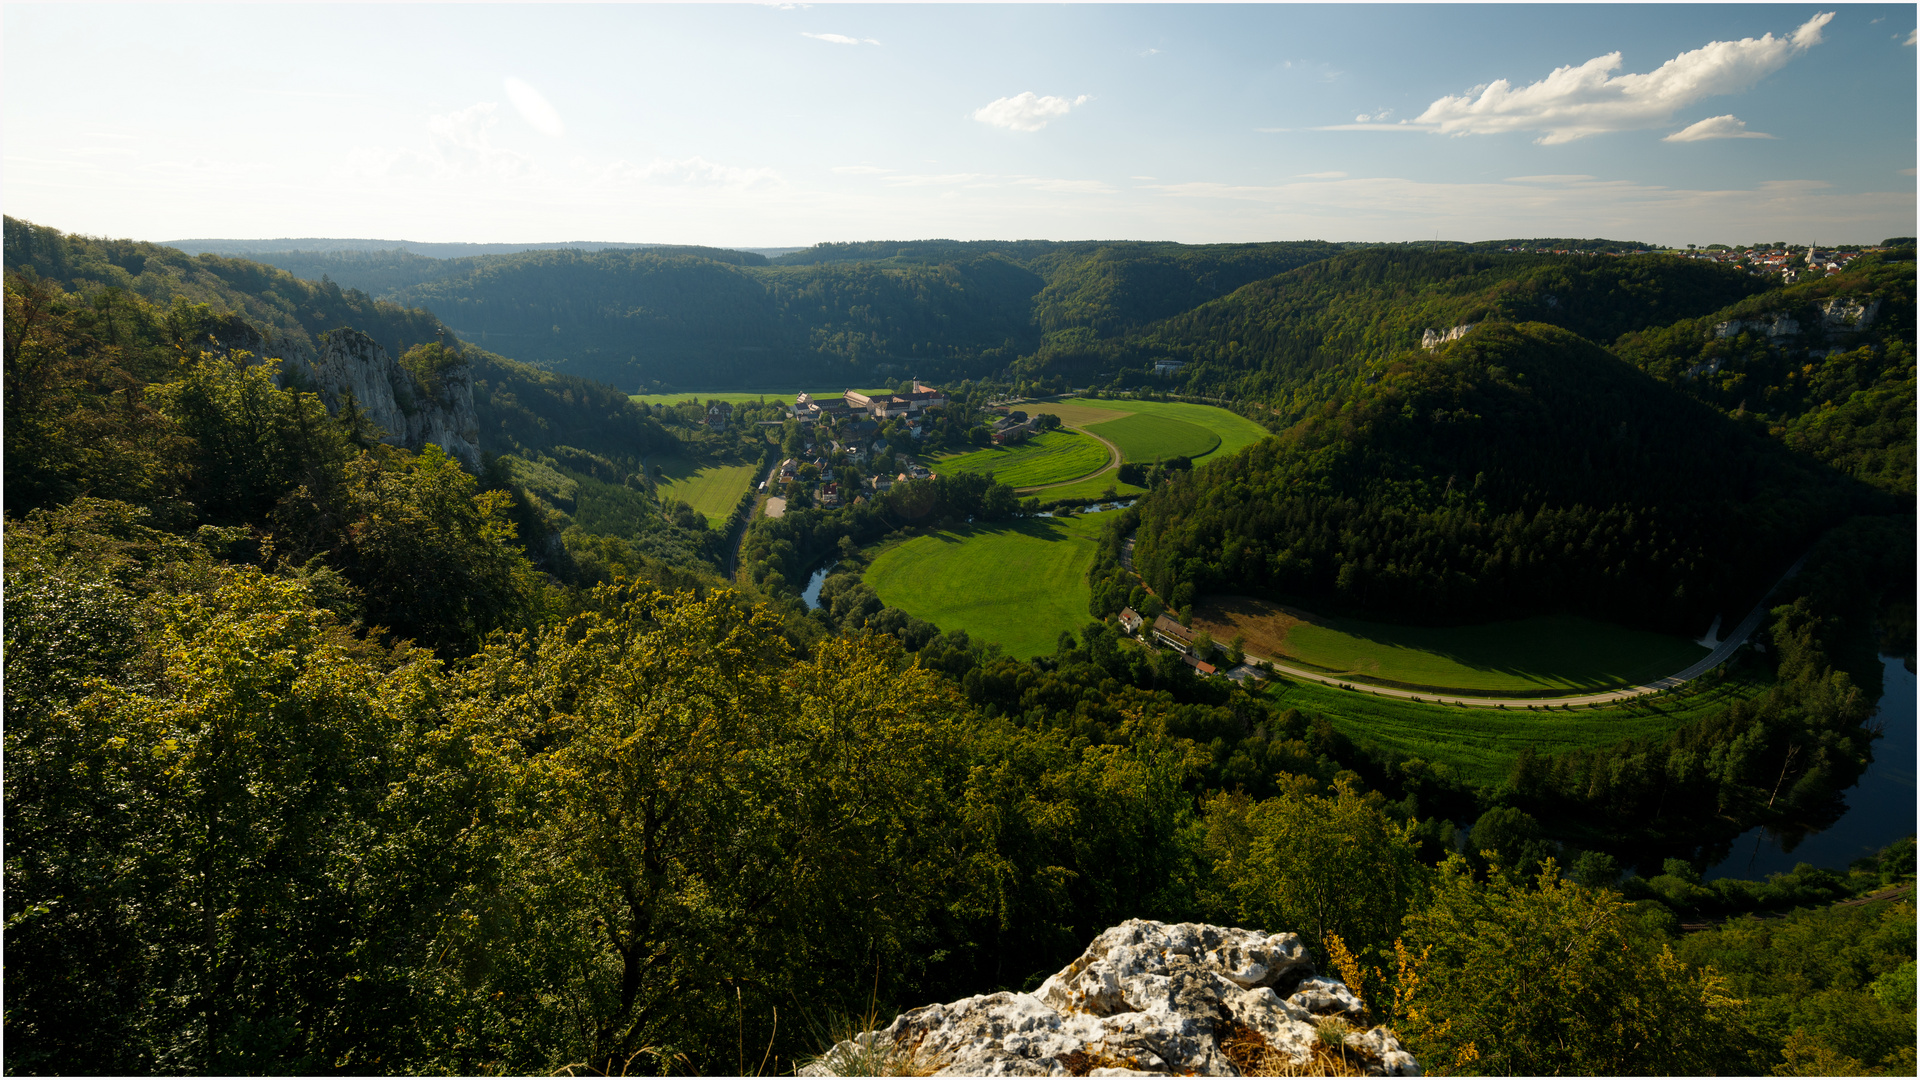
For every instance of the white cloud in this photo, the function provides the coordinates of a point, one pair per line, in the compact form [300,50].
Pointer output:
[859,170]
[1716,127]
[1549,178]
[839,39]
[1575,102]
[1910,36]
[1378,116]
[1151,52]
[1320,176]
[534,109]
[1143,178]
[1027,112]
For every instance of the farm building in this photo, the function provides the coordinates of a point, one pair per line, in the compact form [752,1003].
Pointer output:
[1131,620]
[1173,633]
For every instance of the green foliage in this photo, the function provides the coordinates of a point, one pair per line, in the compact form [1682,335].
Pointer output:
[1520,471]
[1325,867]
[1825,366]
[1553,978]
[1829,989]
[436,558]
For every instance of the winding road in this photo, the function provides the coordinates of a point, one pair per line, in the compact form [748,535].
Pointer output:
[1714,659]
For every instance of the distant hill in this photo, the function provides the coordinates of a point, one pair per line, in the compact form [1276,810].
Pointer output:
[285,245]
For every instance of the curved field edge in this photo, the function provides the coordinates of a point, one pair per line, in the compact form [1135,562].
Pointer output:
[1018,585]
[1146,438]
[1544,653]
[1482,743]
[1235,431]
[1093,487]
[1049,458]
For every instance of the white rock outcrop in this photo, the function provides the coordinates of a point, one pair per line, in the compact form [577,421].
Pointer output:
[1145,999]
[1774,324]
[351,364]
[1845,313]
[1433,339]
[411,415]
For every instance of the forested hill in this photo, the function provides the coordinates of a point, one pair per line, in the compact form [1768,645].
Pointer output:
[1298,338]
[1825,365]
[520,407]
[1518,470]
[664,318]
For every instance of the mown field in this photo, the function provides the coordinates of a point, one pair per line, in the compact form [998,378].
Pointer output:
[1482,743]
[741,397]
[1146,438]
[1018,584]
[1555,652]
[1043,459]
[1092,487]
[714,490]
[1234,431]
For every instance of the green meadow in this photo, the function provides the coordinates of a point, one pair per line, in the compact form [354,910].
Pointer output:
[1551,652]
[1092,487]
[1147,438]
[1018,584]
[1234,431]
[714,490]
[1482,743]
[1042,459]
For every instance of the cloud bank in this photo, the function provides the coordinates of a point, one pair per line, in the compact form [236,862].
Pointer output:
[1575,102]
[1027,112]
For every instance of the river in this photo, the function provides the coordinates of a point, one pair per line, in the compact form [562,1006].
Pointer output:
[812,593]
[1880,808]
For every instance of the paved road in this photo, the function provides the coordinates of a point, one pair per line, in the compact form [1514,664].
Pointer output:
[1712,660]
[1113,462]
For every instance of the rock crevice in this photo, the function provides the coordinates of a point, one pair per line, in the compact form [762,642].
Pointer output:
[1145,999]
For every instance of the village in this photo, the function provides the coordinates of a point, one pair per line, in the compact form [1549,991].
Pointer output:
[843,449]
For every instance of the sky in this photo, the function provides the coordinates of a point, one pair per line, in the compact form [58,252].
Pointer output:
[787,125]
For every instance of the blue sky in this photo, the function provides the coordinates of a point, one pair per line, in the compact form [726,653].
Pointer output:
[771,125]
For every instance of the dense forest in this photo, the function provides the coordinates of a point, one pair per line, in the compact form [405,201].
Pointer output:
[666,318]
[1519,469]
[323,755]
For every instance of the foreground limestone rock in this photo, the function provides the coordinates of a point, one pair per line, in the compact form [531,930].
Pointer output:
[1145,999]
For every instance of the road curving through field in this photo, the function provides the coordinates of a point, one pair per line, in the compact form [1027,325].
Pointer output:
[1714,659]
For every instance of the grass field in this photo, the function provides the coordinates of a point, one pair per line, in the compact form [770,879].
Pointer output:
[1043,459]
[1019,584]
[1555,652]
[1482,743]
[1142,437]
[1092,487]
[1235,431]
[714,490]
[740,397]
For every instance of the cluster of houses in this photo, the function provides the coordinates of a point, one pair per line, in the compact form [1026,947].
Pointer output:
[831,490]
[878,408]
[1168,632]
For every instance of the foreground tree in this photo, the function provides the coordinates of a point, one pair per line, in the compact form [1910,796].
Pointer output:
[1502,978]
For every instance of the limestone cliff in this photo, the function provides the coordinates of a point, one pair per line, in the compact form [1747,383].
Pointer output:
[1145,999]
[351,365]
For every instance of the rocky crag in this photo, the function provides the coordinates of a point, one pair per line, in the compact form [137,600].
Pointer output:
[350,366]
[1145,999]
